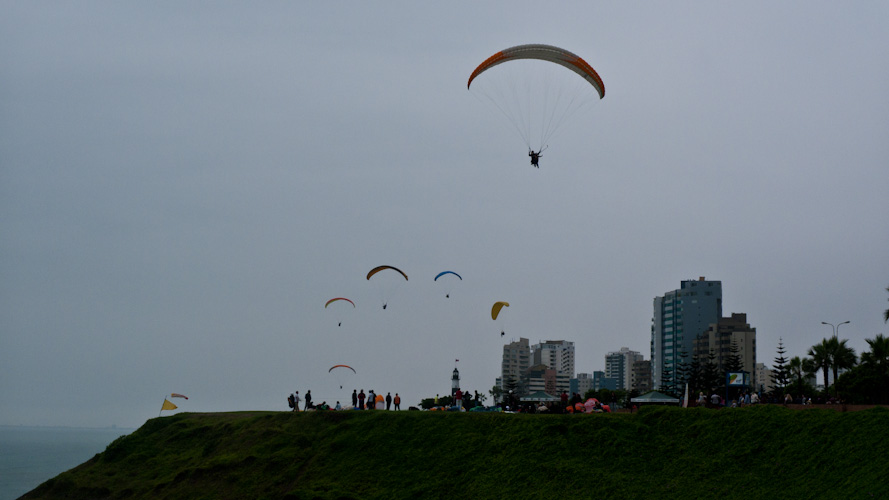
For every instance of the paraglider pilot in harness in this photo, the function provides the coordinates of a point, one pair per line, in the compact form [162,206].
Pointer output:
[535,157]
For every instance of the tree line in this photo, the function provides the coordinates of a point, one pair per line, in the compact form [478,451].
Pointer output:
[864,380]
[856,380]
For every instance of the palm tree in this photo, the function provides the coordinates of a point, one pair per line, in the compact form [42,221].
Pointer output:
[886,312]
[809,369]
[878,356]
[801,369]
[821,358]
[842,357]
[877,359]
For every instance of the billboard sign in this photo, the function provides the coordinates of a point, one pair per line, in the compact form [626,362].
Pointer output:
[735,379]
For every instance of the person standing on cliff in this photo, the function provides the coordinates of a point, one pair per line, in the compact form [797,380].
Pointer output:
[354,398]
[388,400]
[361,397]
[296,401]
[397,402]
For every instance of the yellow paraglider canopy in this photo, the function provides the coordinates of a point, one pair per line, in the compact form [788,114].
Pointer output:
[497,307]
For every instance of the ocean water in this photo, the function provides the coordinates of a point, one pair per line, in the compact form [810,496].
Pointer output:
[31,455]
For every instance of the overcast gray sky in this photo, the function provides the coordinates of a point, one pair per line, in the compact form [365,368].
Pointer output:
[184,185]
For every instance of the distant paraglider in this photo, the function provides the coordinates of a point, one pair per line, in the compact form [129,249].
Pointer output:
[337,299]
[387,280]
[342,366]
[338,374]
[382,268]
[495,313]
[448,281]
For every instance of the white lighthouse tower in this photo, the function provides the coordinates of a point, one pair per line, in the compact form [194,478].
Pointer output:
[455,382]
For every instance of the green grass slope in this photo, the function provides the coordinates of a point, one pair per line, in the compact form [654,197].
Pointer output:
[758,452]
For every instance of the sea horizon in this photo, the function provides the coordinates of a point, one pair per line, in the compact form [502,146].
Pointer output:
[33,454]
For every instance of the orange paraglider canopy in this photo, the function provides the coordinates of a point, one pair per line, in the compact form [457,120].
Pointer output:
[380,268]
[338,298]
[544,53]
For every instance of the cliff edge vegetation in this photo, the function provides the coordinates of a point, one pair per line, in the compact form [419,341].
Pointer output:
[755,452]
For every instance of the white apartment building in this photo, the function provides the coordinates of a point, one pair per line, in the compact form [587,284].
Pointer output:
[516,360]
[619,366]
[556,354]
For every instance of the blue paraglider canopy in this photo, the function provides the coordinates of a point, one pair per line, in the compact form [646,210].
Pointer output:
[439,275]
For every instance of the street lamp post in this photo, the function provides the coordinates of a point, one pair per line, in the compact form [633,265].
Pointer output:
[835,328]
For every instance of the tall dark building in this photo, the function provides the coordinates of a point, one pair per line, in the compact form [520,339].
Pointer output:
[679,317]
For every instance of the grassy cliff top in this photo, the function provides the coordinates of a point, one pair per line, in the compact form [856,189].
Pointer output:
[751,452]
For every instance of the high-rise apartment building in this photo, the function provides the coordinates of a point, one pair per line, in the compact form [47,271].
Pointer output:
[763,378]
[556,354]
[619,366]
[516,360]
[680,316]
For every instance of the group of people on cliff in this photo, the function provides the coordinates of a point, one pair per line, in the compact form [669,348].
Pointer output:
[360,401]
